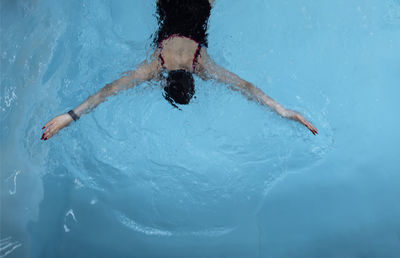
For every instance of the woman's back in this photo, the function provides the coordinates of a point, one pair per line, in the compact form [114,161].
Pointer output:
[184,17]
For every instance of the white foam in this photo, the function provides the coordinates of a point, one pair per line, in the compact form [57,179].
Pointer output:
[14,177]
[71,213]
[7,246]
[210,232]
[141,228]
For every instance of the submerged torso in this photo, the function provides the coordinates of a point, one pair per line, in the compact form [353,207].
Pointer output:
[178,53]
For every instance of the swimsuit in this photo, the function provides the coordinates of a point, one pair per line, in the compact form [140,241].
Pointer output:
[196,53]
[186,18]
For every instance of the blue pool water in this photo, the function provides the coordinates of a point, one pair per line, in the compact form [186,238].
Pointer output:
[224,177]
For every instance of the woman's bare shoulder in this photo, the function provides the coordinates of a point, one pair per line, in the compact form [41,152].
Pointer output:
[203,58]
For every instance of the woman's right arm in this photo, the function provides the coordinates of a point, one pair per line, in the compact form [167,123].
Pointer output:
[145,72]
[208,69]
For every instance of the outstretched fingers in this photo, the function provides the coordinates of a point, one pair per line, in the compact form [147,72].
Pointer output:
[307,124]
[49,132]
[48,124]
[55,125]
[311,127]
[51,129]
[45,134]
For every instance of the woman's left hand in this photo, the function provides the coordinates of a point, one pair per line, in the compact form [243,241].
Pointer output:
[299,118]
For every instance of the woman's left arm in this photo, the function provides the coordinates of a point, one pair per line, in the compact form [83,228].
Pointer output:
[208,69]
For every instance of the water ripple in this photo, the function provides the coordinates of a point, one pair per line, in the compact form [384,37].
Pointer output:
[7,246]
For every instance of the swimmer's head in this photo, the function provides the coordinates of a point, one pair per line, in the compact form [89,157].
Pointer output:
[179,87]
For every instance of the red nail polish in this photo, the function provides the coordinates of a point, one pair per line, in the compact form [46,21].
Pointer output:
[45,139]
[43,127]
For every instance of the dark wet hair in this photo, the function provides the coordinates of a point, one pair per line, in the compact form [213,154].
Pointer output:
[179,87]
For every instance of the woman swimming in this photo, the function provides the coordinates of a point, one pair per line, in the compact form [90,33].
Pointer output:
[181,50]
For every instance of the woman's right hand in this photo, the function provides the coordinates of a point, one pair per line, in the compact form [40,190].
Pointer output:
[55,125]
